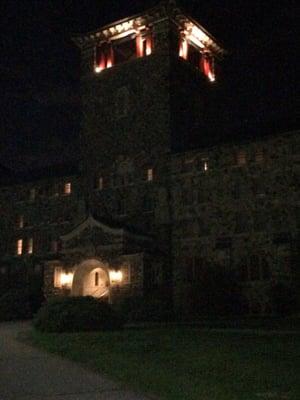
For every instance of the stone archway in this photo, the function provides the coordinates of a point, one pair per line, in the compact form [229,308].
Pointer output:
[91,278]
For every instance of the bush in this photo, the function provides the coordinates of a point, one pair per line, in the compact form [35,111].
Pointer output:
[285,298]
[15,305]
[146,309]
[75,314]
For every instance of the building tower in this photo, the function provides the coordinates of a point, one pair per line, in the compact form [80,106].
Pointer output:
[145,89]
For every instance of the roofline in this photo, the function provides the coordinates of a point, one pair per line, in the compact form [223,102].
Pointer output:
[94,34]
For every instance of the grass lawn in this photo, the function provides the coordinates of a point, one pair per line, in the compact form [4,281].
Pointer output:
[187,363]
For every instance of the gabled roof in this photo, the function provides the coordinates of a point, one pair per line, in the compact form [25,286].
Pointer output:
[90,222]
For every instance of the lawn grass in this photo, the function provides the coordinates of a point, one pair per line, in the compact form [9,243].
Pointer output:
[189,363]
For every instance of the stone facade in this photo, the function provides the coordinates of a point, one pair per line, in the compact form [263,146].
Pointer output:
[157,197]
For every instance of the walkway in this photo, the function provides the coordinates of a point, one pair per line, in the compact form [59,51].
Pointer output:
[27,373]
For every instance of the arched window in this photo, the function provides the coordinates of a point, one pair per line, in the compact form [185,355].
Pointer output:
[96,278]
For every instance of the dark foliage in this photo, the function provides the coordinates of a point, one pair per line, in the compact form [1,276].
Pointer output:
[15,305]
[285,298]
[75,314]
[146,309]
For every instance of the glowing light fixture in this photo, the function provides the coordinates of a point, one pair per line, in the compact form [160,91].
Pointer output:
[66,279]
[148,46]
[98,69]
[116,276]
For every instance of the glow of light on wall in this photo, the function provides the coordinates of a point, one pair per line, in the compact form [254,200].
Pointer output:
[194,40]
[183,50]
[98,69]
[207,64]
[139,45]
[123,35]
[211,77]
[66,279]
[199,35]
[148,46]
[115,276]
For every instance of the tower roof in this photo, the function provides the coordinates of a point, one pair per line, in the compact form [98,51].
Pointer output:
[166,9]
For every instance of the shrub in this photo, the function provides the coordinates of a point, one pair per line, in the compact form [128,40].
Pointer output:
[144,309]
[285,298]
[15,305]
[75,314]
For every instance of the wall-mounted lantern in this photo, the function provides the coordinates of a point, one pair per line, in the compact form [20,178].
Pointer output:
[62,278]
[116,277]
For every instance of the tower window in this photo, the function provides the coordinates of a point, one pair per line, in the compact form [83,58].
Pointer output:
[32,194]
[124,48]
[100,183]
[194,56]
[68,188]
[20,222]
[19,247]
[150,174]
[30,246]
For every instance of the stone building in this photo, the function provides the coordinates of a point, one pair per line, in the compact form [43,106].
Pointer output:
[158,198]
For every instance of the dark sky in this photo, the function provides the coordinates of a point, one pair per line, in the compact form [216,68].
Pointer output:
[39,65]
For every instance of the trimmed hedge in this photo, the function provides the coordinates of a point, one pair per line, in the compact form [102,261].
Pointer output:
[76,314]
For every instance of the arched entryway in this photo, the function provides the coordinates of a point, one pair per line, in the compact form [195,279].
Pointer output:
[91,278]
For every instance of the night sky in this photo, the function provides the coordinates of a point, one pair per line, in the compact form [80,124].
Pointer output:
[40,102]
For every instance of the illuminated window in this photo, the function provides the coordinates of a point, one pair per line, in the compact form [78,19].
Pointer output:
[30,246]
[32,194]
[205,165]
[68,188]
[241,158]
[100,183]
[124,47]
[20,222]
[150,174]
[19,247]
